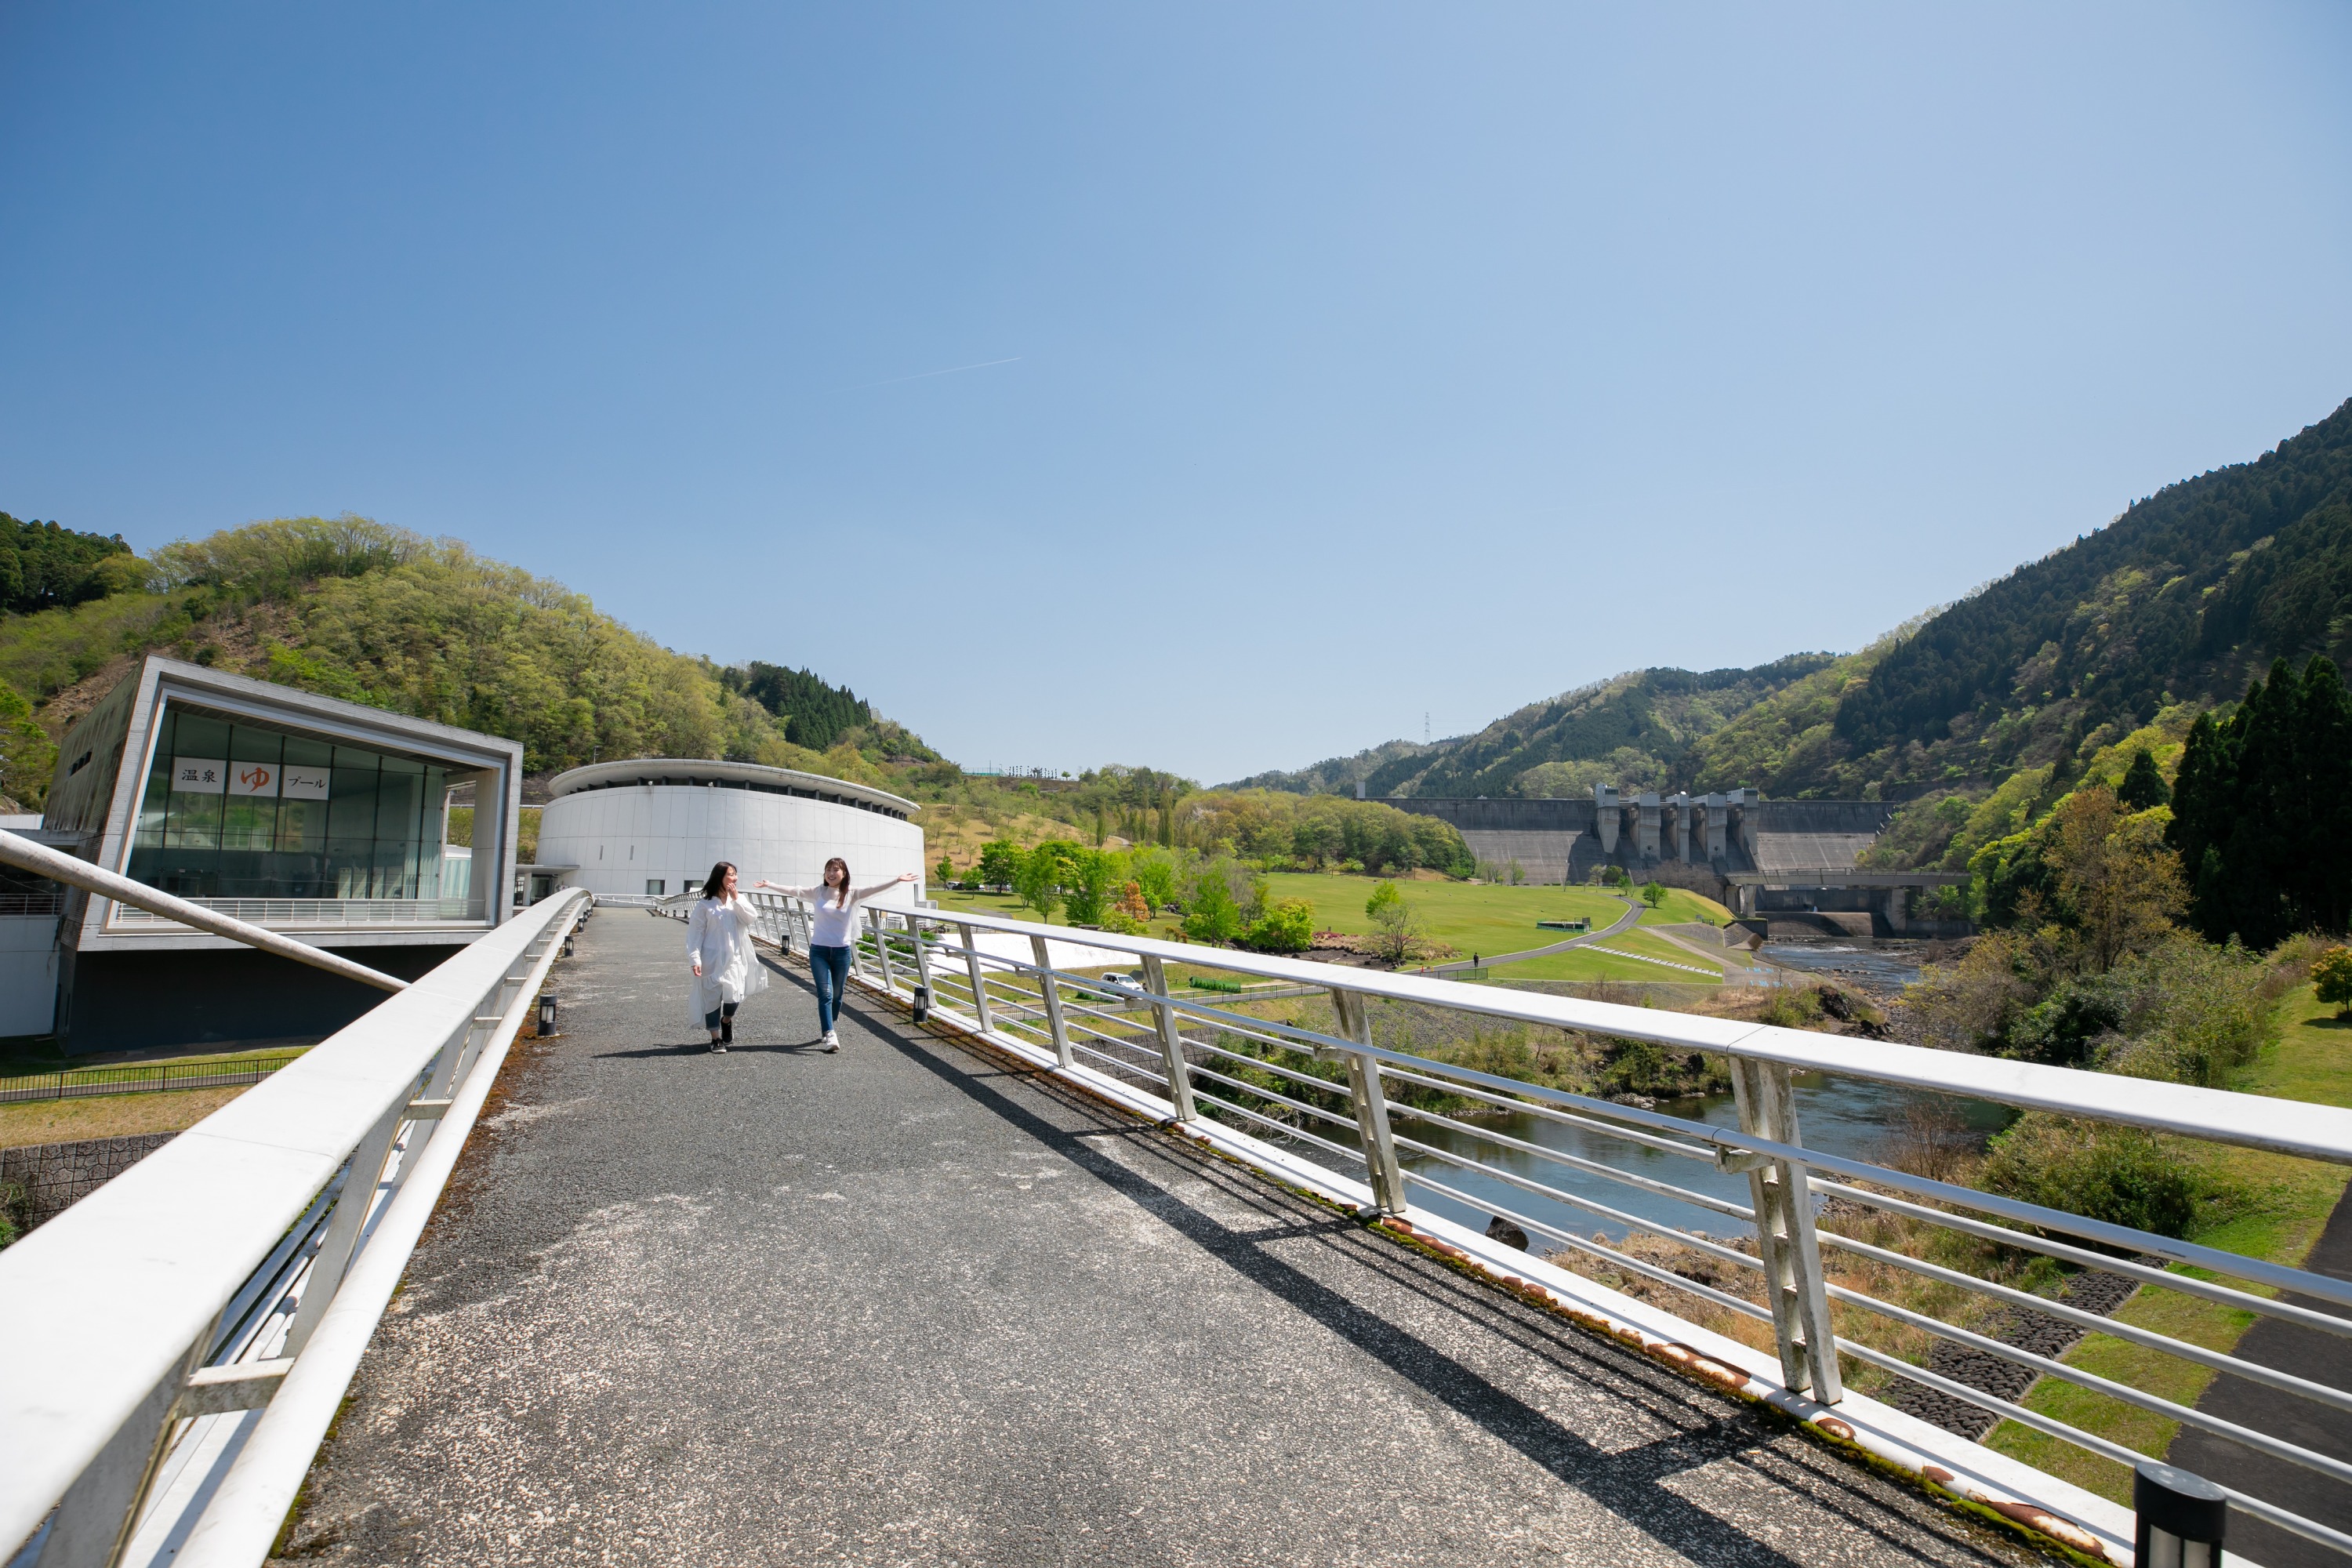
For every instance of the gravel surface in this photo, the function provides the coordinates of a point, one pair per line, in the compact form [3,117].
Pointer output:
[913,1303]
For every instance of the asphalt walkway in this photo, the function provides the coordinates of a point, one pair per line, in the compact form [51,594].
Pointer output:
[915,1303]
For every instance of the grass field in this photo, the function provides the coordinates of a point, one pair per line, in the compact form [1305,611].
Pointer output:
[1482,919]
[2277,1207]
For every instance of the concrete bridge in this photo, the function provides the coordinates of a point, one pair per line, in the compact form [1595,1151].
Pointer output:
[1049,1265]
[921,1301]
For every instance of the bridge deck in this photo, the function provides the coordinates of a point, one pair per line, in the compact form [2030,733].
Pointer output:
[913,1304]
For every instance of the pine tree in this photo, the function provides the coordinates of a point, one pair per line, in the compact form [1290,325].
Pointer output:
[2325,895]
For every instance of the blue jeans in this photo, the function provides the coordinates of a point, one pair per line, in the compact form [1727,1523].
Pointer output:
[829,967]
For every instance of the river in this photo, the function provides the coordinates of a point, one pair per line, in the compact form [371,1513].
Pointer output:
[1835,1115]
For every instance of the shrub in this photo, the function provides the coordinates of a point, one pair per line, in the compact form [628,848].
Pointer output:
[1216,916]
[1116,919]
[2120,1175]
[2332,972]
[1287,926]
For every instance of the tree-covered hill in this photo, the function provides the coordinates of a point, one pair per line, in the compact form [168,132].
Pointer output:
[354,609]
[1631,730]
[2183,600]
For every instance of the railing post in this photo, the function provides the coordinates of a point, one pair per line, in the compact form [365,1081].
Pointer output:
[882,950]
[1053,995]
[979,985]
[1372,1106]
[1172,1044]
[1784,1236]
[96,1518]
[334,1254]
[924,995]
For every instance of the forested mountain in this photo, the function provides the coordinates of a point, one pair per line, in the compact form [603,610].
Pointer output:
[1631,730]
[376,614]
[2177,604]
[2183,600]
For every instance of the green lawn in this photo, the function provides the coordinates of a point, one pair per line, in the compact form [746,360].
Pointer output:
[2278,1208]
[1482,919]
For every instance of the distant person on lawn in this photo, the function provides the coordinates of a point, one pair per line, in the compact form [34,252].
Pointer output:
[831,933]
[719,946]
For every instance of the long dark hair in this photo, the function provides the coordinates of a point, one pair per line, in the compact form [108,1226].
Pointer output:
[716,888]
[829,865]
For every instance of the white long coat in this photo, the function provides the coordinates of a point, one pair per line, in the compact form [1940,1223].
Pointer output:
[719,937]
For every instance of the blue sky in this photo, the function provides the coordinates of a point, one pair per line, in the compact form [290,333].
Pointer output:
[1358,361]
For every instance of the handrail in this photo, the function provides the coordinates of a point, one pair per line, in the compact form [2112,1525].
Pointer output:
[1259,1124]
[122,1291]
[2223,1116]
[57,865]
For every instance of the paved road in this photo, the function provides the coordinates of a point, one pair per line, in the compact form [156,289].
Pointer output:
[911,1304]
[2307,1353]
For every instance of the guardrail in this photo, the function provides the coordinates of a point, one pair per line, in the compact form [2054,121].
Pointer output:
[180,1339]
[1351,1105]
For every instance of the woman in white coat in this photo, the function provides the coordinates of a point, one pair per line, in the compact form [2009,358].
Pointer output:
[719,946]
[832,927]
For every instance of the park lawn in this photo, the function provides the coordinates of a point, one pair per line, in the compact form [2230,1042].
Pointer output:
[28,1121]
[1587,964]
[1482,919]
[2277,1207]
[1683,907]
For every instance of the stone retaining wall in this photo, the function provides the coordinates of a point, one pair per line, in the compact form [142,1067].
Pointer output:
[53,1176]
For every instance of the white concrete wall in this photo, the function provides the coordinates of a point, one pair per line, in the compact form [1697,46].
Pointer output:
[29,974]
[622,837]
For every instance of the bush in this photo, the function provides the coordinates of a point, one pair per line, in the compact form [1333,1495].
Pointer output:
[1288,927]
[1214,917]
[2332,972]
[1116,919]
[2120,1175]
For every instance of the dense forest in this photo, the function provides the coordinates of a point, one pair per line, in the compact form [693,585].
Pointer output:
[42,566]
[351,608]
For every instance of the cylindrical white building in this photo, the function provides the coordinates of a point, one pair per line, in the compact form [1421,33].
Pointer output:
[656,824]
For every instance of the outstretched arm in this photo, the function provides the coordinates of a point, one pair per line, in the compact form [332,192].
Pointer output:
[880,888]
[789,891]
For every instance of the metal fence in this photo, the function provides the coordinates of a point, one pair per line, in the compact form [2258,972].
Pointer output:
[180,1339]
[1409,1127]
[82,1083]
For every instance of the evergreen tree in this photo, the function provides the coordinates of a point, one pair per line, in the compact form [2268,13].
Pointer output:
[2143,786]
[2326,818]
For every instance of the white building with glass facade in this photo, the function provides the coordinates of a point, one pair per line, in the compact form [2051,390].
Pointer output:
[656,827]
[322,818]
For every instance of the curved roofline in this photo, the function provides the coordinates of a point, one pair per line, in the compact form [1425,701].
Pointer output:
[686,771]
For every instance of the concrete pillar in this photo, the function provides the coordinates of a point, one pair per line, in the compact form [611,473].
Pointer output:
[1680,845]
[1609,814]
[1717,821]
[1645,841]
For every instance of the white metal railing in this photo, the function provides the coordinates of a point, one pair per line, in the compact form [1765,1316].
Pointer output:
[1126,1034]
[310,913]
[179,1339]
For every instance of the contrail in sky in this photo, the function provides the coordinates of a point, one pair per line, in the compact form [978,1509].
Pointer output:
[951,370]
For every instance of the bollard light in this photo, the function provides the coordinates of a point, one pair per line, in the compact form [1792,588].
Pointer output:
[2180,1517]
[546,1014]
[567,945]
[922,1002]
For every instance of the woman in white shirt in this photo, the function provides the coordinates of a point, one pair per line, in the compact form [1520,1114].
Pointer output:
[719,946]
[832,931]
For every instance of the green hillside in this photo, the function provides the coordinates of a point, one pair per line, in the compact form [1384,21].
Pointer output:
[2183,601]
[354,609]
[1631,730]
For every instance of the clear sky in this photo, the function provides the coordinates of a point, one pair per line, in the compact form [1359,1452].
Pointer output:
[1332,364]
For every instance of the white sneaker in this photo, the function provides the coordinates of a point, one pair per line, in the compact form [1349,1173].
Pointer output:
[832,1041]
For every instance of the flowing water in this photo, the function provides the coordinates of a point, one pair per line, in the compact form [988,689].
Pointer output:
[1884,968]
[1835,1115]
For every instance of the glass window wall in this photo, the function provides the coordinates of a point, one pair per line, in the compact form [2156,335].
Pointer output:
[235,809]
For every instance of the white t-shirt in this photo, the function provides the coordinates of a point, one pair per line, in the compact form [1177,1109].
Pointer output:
[834,924]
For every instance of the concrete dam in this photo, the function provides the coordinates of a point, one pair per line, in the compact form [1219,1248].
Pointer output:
[1758,857]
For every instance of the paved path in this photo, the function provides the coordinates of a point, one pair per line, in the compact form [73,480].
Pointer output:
[2307,1353]
[913,1304]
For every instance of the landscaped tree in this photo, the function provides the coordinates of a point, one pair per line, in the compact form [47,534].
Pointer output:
[1155,874]
[1396,924]
[1000,863]
[1214,916]
[1654,893]
[945,870]
[1287,926]
[1090,880]
[2143,785]
[1043,874]
[2332,978]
